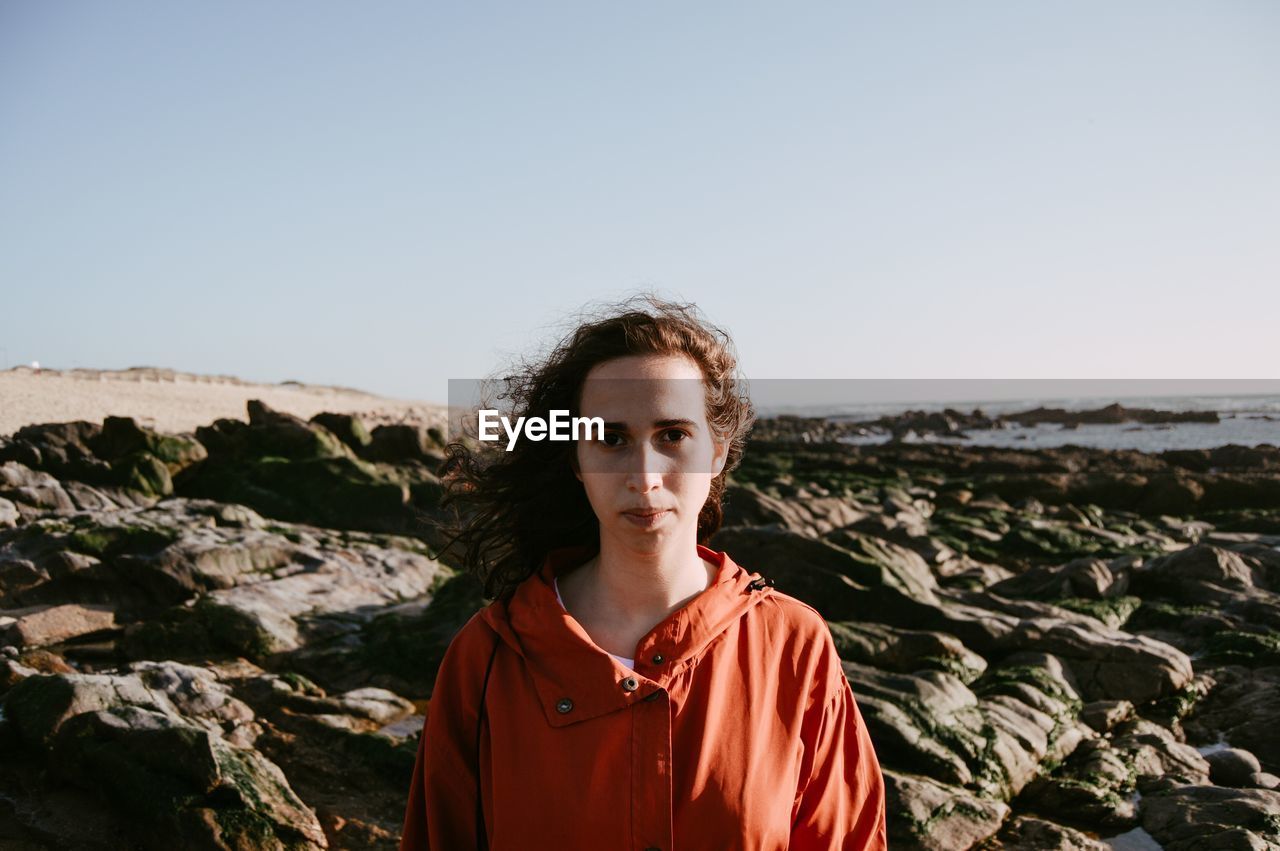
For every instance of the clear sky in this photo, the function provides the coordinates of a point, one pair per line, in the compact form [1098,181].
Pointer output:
[388,195]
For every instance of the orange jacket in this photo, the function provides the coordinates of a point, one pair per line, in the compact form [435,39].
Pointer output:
[737,730]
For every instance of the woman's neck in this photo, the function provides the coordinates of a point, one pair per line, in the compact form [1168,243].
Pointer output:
[628,593]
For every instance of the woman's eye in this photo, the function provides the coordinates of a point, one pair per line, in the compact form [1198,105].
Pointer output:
[610,435]
[679,435]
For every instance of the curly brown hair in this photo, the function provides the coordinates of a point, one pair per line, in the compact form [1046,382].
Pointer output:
[512,508]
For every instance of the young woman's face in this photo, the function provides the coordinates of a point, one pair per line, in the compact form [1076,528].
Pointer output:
[650,475]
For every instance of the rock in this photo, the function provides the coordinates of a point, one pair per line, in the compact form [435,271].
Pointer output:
[89,498]
[348,428]
[39,705]
[360,710]
[290,470]
[1113,414]
[1157,755]
[904,650]
[800,566]
[1090,578]
[206,558]
[379,705]
[1253,647]
[184,784]
[1102,715]
[1264,780]
[814,517]
[223,514]
[55,624]
[1244,709]
[992,741]
[1109,664]
[1033,834]
[812,575]
[329,490]
[966,572]
[834,580]
[132,558]
[119,454]
[1183,626]
[199,695]
[1113,612]
[33,493]
[29,663]
[401,648]
[62,449]
[244,588]
[931,816]
[273,433]
[144,473]
[1095,786]
[936,553]
[1058,611]
[1191,818]
[1232,767]
[1198,574]
[401,443]
[1099,783]
[166,735]
[272,615]
[9,514]
[879,562]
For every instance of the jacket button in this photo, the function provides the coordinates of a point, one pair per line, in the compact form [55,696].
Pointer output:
[630,684]
[657,658]
[564,706]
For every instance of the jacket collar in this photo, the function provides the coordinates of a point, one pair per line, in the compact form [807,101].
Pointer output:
[569,670]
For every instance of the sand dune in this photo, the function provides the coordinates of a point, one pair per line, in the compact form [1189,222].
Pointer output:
[171,401]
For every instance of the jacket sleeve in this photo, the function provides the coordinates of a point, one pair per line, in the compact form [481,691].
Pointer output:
[841,803]
[441,812]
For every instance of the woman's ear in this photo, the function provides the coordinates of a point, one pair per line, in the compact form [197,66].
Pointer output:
[720,457]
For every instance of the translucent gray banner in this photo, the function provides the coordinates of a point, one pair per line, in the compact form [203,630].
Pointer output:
[643,420]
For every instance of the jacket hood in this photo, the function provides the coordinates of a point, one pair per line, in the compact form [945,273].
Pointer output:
[566,665]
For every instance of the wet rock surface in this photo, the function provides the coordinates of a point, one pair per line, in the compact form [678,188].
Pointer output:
[228,639]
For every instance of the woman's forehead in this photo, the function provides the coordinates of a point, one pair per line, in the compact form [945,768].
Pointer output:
[645,401]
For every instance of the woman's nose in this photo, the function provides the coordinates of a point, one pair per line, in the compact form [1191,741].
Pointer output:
[645,469]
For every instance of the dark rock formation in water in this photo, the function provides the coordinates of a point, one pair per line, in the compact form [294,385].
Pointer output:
[950,422]
[229,639]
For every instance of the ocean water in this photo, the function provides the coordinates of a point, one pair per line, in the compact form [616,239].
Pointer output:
[1245,421]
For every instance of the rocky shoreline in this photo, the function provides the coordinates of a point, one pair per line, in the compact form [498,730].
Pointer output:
[227,638]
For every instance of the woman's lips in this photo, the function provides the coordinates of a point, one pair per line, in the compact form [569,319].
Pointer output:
[646,521]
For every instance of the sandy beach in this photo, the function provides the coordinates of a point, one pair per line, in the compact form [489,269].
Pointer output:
[177,402]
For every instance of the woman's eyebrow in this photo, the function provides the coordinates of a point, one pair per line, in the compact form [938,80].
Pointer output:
[656,423]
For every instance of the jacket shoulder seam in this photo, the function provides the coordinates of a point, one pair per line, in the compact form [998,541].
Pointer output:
[786,599]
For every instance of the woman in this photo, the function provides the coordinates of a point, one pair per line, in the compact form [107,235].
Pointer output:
[630,688]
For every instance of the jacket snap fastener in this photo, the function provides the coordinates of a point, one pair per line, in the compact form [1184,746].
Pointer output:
[630,684]
[657,658]
[564,706]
